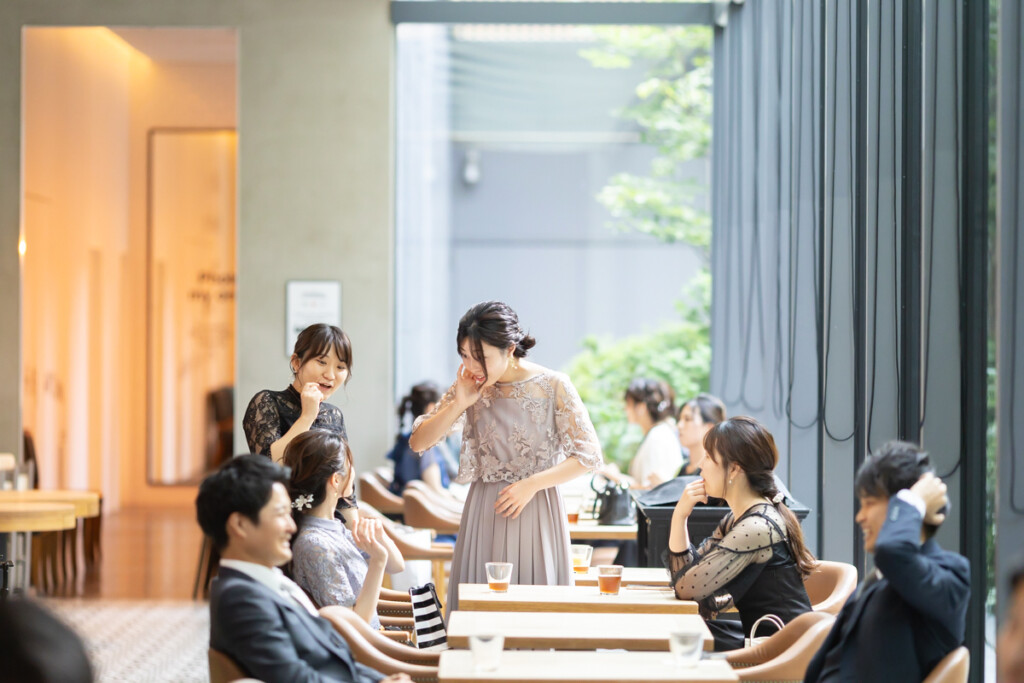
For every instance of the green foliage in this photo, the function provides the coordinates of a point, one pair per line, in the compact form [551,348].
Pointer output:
[678,353]
[672,110]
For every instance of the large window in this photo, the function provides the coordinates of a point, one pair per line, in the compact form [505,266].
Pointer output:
[561,168]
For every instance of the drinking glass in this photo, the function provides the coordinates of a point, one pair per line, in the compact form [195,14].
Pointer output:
[581,555]
[498,576]
[486,651]
[685,646]
[609,578]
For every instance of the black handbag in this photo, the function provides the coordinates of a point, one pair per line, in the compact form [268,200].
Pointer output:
[613,505]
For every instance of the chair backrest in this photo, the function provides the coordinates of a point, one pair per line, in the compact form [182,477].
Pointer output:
[436,500]
[224,669]
[829,585]
[791,664]
[952,669]
[370,656]
[419,512]
[377,495]
[778,642]
[403,653]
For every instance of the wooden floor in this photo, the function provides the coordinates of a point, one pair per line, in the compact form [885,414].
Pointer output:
[147,554]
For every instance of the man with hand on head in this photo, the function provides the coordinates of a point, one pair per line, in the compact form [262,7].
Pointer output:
[259,617]
[910,611]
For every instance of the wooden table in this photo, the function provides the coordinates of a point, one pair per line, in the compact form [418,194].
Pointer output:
[533,666]
[86,503]
[21,517]
[575,631]
[590,530]
[524,598]
[631,576]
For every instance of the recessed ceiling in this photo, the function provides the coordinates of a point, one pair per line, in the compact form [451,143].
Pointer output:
[206,45]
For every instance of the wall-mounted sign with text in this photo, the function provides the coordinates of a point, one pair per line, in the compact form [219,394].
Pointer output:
[308,302]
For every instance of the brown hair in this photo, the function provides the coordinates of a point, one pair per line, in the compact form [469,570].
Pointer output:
[314,456]
[655,395]
[745,441]
[318,339]
[710,408]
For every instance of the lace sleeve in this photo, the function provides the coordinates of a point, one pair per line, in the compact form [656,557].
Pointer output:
[576,435]
[726,564]
[262,424]
[448,397]
[317,566]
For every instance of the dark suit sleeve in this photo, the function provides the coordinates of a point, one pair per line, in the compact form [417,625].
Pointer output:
[258,639]
[938,589]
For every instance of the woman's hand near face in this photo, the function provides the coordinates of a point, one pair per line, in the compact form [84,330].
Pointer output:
[693,493]
[467,390]
[311,398]
[368,535]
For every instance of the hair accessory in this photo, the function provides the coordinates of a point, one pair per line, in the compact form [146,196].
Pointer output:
[662,406]
[778,498]
[303,502]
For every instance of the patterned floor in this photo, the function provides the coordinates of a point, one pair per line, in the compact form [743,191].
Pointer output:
[141,641]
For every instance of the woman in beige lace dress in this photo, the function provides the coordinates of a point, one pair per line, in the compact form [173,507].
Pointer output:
[525,430]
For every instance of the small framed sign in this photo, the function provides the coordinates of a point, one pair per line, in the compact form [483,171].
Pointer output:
[308,302]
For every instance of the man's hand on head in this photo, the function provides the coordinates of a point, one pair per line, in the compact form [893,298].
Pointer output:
[932,491]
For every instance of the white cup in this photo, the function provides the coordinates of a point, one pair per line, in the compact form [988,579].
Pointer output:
[486,651]
[685,646]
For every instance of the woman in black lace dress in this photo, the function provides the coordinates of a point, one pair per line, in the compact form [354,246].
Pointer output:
[321,363]
[756,559]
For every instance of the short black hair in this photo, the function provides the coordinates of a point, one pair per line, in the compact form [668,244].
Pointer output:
[37,646]
[243,484]
[894,466]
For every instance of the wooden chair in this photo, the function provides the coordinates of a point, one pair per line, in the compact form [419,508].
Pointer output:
[384,475]
[372,491]
[785,655]
[830,585]
[446,503]
[365,653]
[224,669]
[423,513]
[405,652]
[953,668]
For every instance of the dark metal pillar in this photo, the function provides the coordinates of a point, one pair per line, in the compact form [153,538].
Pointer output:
[973,316]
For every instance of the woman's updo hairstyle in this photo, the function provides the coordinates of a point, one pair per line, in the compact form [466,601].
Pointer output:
[655,395]
[314,456]
[496,324]
[710,408]
[744,441]
[416,401]
[318,340]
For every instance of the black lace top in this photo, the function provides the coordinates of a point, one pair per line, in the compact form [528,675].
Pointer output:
[746,562]
[272,413]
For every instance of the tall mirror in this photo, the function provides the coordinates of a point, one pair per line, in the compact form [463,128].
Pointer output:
[191,302]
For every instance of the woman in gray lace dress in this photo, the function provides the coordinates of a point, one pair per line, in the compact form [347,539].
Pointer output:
[525,430]
[335,563]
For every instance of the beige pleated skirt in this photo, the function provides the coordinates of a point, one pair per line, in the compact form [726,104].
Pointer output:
[536,543]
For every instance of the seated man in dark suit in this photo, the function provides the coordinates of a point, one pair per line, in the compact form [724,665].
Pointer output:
[258,617]
[910,611]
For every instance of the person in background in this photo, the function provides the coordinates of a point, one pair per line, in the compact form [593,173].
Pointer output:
[429,466]
[911,610]
[756,559]
[335,563]
[526,431]
[321,363]
[650,404]
[37,646]
[258,617]
[1010,646]
[696,418]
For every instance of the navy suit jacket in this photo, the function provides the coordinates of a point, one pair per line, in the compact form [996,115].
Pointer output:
[274,639]
[899,627]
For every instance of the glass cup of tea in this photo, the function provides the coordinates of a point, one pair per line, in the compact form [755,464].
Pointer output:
[486,650]
[609,579]
[499,574]
[581,555]
[685,646]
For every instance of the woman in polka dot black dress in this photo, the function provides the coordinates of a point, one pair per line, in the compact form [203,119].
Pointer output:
[756,558]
